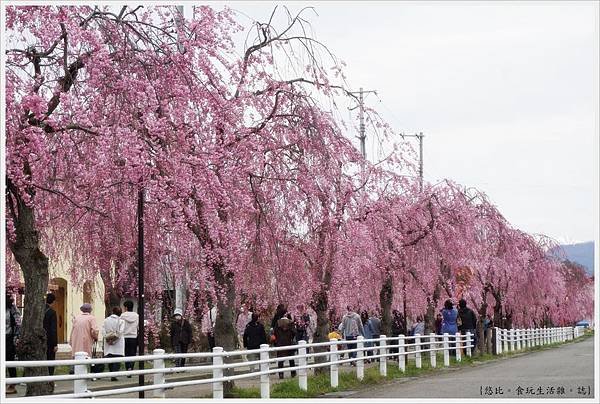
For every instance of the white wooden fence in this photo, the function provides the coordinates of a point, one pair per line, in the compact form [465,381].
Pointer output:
[522,339]
[306,354]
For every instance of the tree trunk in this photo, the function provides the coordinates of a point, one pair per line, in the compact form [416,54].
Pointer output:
[225,331]
[111,297]
[320,305]
[498,321]
[482,313]
[430,313]
[34,265]
[386,296]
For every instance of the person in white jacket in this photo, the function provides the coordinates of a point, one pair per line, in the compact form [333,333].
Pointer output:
[114,342]
[130,332]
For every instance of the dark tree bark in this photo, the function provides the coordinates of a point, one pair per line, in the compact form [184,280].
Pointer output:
[34,265]
[320,304]
[430,313]
[225,332]
[482,310]
[111,296]
[386,296]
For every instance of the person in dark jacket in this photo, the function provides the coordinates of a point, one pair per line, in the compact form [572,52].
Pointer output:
[468,319]
[13,329]
[279,313]
[51,327]
[181,335]
[254,336]
[397,327]
[284,336]
[302,323]
[438,324]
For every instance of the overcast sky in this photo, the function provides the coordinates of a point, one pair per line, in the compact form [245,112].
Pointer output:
[505,93]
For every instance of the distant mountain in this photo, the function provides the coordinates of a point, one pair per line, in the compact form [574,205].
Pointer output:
[581,253]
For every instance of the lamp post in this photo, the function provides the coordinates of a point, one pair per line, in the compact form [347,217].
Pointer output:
[140,216]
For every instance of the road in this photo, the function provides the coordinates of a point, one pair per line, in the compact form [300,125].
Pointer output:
[569,367]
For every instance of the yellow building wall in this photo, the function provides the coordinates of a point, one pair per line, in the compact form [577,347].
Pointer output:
[74,296]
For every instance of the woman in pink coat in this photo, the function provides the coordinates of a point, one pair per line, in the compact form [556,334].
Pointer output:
[84,332]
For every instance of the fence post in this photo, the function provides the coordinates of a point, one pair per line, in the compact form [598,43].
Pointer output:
[383,359]
[458,344]
[333,367]
[560,334]
[159,378]
[360,363]
[469,339]
[432,353]
[265,390]
[302,372]
[519,338]
[401,355]
[217,360]
[544,341]
[504,335]
[418,351]
[496,334]
[446,350]
[80,385]
[513,340]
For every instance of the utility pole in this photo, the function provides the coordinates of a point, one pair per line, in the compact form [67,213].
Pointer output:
[419,136]
[179,21]
[361,117]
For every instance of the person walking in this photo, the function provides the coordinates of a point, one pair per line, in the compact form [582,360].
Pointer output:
[368,333]
[51,328]
[131,321]
[285,336]
[397,327]
[114,341]
[302,322]
[279,313]
[418,326]
[375,324]
[181,335]
[254,335]
[468,320]
[207,326]
[243,318]
[449,325]
[351,328]
[84,331]
[13,328]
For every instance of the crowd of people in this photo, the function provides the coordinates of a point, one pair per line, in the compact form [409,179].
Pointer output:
[119,337]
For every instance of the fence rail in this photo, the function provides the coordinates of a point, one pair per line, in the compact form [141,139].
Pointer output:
[522,339]
[309,356]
